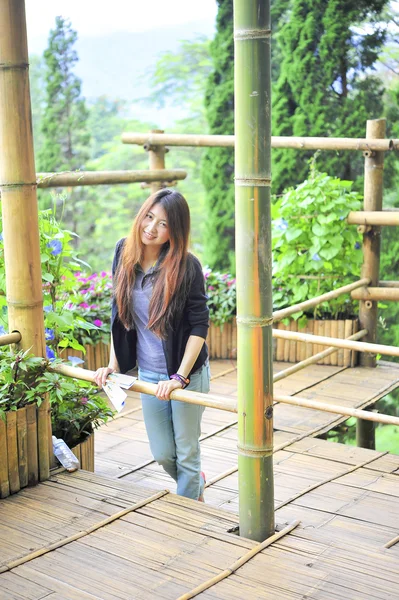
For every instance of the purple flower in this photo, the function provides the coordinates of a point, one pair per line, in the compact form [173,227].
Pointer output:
[211,287]
[103,273]
[50,353]
[56,247]
[49,333]
[358,246]
[2,330]
[231,282]
[316,257]
[83,292]
[48,308]
[97,323]
[84,305]
[75,360]
[84,400]
[1,237]
[93,306]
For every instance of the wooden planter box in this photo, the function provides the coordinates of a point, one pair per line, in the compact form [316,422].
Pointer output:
[222,343]
[24,447]
[84,452]
[291,351]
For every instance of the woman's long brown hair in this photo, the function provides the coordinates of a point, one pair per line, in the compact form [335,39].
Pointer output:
[172,278]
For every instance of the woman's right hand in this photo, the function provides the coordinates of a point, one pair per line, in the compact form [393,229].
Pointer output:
[100,376]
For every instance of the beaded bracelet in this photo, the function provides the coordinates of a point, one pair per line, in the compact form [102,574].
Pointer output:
[183,380]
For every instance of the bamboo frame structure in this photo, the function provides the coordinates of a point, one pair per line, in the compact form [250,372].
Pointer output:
[374,217]
[314,359]
[227,141]
[337,343]
[83,178]
[156,159]
[10,338]
[373,191]
[252,123]
[376,294]
[290,310]
[19,201]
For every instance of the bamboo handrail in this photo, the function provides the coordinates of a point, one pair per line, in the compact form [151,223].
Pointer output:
[209,400]
[389,284]
[345,289]
[10,338]
[301,143]
[337,343]
[77,178]
[315,358]
[339,410]
[238,563]
[225,403]
[375,294]
[373,217]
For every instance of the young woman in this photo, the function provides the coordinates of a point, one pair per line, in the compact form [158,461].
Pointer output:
[160,321]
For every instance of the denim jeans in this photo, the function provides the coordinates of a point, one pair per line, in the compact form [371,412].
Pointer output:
[173,430]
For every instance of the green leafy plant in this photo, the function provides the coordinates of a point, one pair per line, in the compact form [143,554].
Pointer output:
[76,407]
[314,248]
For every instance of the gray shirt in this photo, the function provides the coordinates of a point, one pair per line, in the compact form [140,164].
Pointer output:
[150,354]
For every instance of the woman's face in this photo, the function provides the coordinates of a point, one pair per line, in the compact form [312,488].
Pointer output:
[154,227]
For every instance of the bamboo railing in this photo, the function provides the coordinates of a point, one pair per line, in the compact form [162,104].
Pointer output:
[82,178]
[374,217]
[298,143]
[10,338]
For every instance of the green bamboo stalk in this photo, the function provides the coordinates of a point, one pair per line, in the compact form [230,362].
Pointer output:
[253,250]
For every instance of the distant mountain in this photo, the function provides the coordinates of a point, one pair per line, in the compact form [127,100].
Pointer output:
[117,65]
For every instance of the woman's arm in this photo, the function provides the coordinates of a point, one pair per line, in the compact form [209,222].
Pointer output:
[100,376]
[193,348]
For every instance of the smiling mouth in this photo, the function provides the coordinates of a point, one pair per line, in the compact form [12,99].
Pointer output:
[149,236]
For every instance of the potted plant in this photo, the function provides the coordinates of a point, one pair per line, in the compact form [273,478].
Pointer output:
[315,251]
[24,382]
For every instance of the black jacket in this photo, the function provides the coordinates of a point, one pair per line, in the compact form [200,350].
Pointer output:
[193,320]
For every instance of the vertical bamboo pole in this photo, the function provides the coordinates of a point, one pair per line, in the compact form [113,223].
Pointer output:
[373,190]
[18,194]
[156,157]
[253,254]
[4,484]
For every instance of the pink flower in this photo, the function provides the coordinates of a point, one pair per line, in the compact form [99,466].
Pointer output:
[97,323]
[84,305]
[83,292]
[84,400]
[93,306]
[211,287]
[229,283]
[103,273]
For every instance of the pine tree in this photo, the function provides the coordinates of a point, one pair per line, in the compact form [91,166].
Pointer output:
[64,124]
[218,163]
[325,87]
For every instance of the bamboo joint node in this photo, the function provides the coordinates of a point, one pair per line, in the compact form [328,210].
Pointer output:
[252,34]
[254,452]
[253,181]
[6,66]
[255,321]
[16,186]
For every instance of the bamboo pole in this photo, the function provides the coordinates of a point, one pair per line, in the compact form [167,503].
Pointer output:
[373,217]
[12,452]
[345,289]
[22,439]
[224,402]
[156,159]
[336,409]
[10,338]
[338,343]
[314,359]
[82,178]
[227,141]
[376,294]
[33,464]
[373,190]
[18,192]
[252,93]
[389,284]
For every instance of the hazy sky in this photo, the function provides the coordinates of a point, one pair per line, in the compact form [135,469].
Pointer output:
[93,17]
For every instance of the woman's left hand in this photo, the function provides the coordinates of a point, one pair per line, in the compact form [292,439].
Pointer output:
[165,388]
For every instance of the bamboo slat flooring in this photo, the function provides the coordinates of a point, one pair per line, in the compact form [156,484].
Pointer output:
[346,499]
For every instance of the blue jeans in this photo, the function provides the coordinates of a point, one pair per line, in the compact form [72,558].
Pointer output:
[173,430]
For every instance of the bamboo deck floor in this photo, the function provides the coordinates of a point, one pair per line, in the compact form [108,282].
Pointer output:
[346,498]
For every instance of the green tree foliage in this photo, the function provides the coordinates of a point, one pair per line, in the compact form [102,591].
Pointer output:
[218,163]
[64,123]
[325,87]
